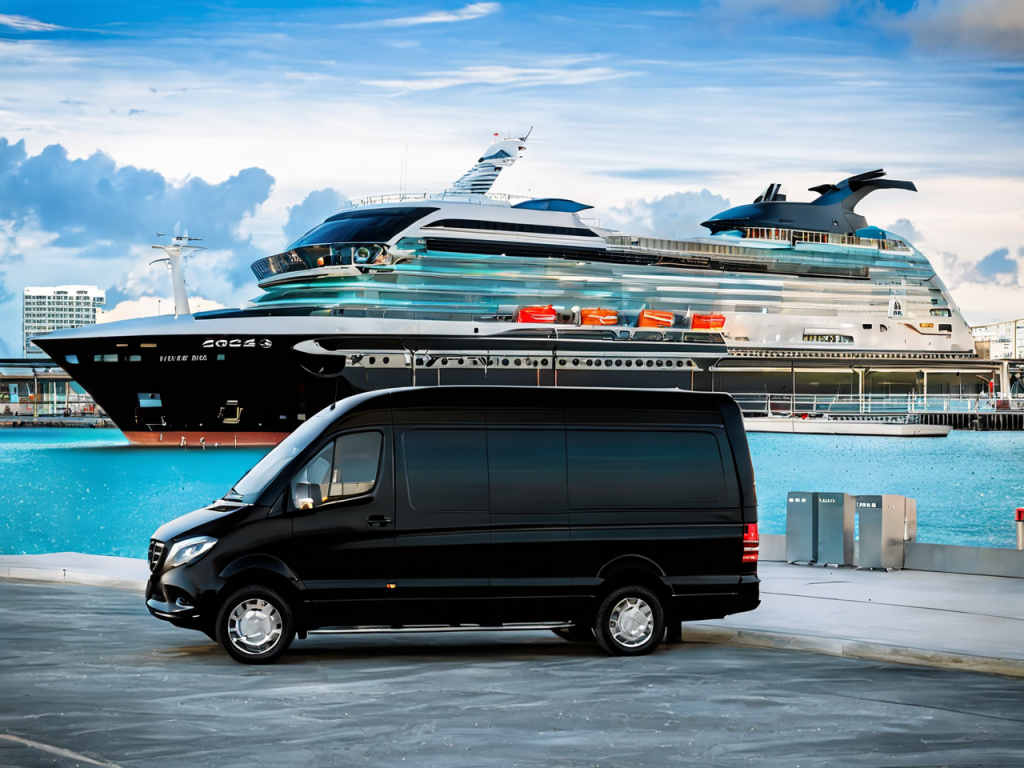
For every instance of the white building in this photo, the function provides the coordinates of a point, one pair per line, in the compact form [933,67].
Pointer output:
[54,308]
[1003,340]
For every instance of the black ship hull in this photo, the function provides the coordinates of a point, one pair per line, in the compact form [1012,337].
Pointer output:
[212,389]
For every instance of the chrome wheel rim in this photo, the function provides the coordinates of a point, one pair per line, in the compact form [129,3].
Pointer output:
[631,622]
[254,627]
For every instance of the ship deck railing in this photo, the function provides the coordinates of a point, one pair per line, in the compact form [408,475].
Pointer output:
[785,404]
[462,197]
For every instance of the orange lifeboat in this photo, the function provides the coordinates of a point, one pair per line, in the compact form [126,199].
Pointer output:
[708,322]
[536,315]
[655,318]
[599,317]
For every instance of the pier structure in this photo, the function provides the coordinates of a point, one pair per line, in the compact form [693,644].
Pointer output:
[35,388]
[958,390]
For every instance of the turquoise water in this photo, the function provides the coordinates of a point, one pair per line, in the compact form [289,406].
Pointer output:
[89,491]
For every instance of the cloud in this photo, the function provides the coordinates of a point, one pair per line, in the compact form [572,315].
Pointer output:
[150,306]
[997,268]
[674,217]
[992,26]
[658,174]
[905,229]
[466,13]
[26,24]
[316,207]
[520,77]
[92,221]
[751,8]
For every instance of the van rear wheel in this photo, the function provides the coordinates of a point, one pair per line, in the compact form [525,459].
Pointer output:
[630,622]
[255,625]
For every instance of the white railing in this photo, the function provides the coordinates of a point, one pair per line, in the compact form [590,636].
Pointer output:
[806,236]
[878,405]
[400,197]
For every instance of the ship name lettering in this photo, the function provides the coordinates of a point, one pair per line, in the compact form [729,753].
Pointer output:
[234,343]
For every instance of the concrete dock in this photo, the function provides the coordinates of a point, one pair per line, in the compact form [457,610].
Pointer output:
[89,678]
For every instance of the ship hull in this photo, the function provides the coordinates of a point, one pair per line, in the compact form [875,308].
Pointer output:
[200,389]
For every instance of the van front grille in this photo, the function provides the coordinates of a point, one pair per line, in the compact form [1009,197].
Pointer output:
[156,553]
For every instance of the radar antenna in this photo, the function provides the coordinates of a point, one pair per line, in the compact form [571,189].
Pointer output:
[177,253]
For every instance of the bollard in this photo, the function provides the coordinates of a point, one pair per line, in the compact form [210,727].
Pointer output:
[1020,527]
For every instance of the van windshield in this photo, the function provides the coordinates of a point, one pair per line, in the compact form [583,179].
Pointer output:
[255,481]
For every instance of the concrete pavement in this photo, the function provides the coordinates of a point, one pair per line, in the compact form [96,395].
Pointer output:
[945,620]
[918,617]
[89,678]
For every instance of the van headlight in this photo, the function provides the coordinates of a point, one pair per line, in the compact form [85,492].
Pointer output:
[188,550]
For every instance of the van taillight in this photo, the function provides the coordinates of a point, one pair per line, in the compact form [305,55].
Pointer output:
[751,543]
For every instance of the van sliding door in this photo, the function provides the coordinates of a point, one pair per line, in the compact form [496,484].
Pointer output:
[531,576]
[441,510]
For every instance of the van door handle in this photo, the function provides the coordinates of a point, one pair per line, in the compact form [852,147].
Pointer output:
[378,520]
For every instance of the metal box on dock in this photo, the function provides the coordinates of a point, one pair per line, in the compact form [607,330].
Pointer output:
[836,513]
[801,527]
[885,523]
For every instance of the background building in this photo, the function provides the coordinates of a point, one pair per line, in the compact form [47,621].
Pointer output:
[54,308]
[1000,341]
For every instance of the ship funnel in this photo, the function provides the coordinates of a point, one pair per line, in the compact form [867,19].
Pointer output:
[177,252]
[479,179]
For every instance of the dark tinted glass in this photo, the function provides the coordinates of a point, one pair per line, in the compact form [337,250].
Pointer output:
[527,470]
[367,226]
[447,469]
[643,470]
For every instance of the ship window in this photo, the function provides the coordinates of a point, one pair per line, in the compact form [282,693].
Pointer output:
[104,358]
[946,327]
[150,400]
[363,226]
[510,226]
[71,359]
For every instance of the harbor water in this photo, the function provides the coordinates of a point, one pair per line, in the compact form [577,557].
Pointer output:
[90,491]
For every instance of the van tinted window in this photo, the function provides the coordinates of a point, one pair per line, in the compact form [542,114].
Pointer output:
[527,470]
[345,467]
[446,469]
[643,469]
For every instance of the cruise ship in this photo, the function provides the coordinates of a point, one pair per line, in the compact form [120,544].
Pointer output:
[467,286]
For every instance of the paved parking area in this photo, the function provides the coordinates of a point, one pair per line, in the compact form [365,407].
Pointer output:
[86,671]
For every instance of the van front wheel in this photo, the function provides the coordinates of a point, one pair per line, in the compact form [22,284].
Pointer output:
[630,622]
[255,625]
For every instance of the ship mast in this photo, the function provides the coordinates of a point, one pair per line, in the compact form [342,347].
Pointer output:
[177,252]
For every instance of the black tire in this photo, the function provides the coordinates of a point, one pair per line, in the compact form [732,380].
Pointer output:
[255,625]
[630,622]
[673,630]
[577,633]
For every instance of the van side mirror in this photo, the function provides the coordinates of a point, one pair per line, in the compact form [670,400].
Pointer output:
[305,503]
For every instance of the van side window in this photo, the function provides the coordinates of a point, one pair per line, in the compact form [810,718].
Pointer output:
[446,469]
[643,469]
[345,467]
[527,470]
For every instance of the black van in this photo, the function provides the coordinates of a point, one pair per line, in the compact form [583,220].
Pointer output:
[612,514]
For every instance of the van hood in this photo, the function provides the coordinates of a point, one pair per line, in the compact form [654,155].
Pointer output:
[205,521]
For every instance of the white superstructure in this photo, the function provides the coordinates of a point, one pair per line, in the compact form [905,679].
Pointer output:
[54,308]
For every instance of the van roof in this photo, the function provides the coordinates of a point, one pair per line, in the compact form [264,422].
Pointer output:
[498,396]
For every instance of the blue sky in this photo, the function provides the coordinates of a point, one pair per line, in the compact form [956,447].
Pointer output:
[246,122]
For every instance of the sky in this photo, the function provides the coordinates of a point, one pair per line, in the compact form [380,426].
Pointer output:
[248,123]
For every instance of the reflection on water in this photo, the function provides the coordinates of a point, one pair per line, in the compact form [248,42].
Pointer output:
[89,491]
